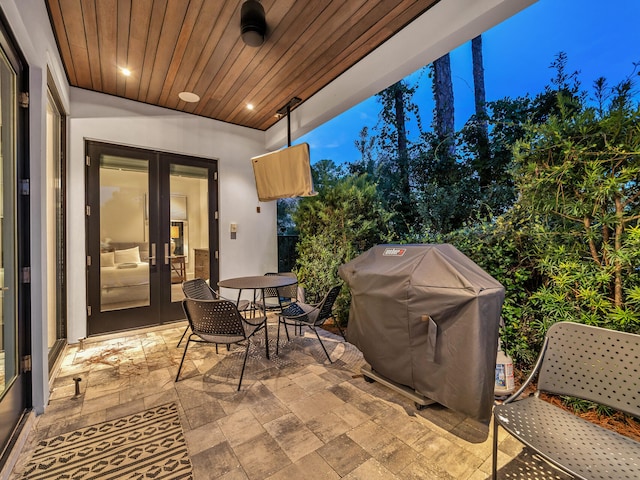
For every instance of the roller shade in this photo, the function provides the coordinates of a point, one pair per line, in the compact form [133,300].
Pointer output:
[284,174]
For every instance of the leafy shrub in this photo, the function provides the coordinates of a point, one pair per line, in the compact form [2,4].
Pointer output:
[345,219]
[579,172]
[501,246]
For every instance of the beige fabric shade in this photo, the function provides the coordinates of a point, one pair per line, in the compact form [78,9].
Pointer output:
[285,173]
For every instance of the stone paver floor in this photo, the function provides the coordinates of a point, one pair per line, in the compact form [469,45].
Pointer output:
[296,417]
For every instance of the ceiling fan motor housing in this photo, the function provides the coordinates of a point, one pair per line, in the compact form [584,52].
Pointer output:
[253,25]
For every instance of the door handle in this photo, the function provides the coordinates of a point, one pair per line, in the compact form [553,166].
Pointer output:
[166,254]
[152,257]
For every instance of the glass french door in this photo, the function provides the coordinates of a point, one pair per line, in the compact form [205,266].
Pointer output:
[14,247]
[150,218]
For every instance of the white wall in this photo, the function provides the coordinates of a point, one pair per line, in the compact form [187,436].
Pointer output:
[110,119]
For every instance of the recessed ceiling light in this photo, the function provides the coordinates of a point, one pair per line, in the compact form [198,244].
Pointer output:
[249,106]
[189,97]
[126,72]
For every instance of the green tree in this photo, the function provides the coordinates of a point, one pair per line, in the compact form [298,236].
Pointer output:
[487,139]
[393,168]
[445,189]
[343,220]
[479,122]
[443,114]
[365,145]
[489,158]
[285,208]
[443,186]
[580,172]
[502,246]
[325,174]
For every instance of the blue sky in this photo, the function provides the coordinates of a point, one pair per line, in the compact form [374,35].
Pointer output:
[600,39]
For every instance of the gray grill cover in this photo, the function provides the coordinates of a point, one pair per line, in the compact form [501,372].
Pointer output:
[426,316]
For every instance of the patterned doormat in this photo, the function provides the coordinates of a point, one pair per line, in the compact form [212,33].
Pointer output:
[146,445]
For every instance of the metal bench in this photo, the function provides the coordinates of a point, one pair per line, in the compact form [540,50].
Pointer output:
[590,363]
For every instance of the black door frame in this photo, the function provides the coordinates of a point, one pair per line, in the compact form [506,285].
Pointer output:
[160,309]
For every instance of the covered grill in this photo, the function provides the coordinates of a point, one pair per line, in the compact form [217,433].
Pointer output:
[427,317]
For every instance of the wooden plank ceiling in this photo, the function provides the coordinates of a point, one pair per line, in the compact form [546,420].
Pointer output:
[171,46]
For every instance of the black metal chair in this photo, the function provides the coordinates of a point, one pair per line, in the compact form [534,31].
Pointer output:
[289,294]
[272,299]
[301,314]
[217,322]
[200,290]
[275,299]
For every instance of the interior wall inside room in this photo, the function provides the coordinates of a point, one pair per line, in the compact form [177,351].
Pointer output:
[194,192]
[123,193]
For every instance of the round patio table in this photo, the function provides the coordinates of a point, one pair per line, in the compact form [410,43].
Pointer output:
[255,283]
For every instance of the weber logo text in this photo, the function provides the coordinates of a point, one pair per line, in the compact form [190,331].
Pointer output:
[394,252]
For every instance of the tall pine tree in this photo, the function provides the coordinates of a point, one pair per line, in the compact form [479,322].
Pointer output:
[481,130]
[443,118]
[394,161]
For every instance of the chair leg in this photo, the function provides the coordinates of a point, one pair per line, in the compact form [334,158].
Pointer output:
[184,354]
[278,336]
[283,321]
[339,328]
[244,363]
[286,330]
[322,344]
[182,337]
[266,336]
[494,459]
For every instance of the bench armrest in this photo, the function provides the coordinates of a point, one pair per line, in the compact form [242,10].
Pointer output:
[532,375]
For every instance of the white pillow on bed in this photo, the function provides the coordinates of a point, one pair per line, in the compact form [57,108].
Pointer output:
[130,255]
[107,259]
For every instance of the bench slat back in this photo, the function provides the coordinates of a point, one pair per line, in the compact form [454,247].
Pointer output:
[594,364]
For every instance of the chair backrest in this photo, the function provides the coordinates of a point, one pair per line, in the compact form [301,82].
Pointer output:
[594,364]
[289,293]
[271,292]
[326,305]
[198,288]
[216,321]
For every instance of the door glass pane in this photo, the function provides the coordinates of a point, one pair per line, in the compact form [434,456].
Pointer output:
[124,233]
[55,228]
[8,281]
[189,228]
